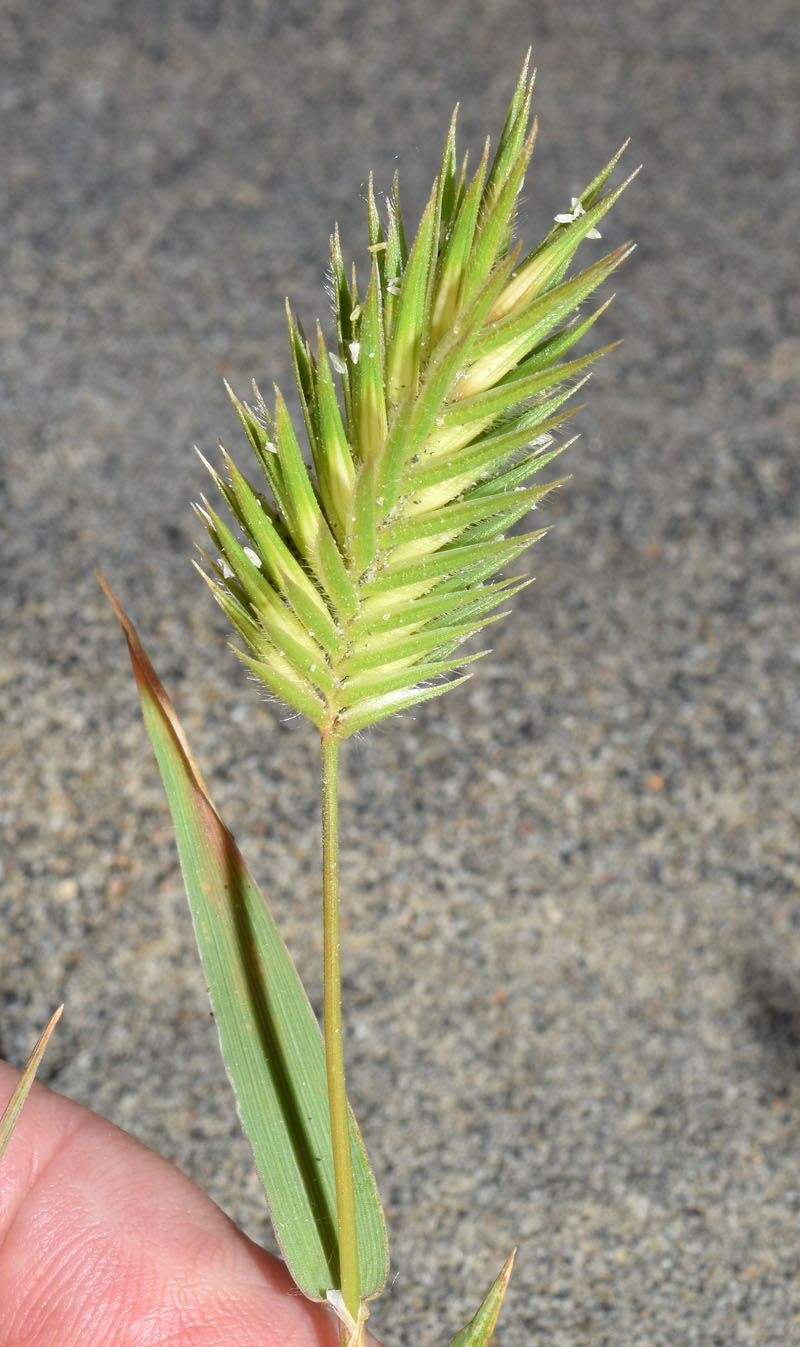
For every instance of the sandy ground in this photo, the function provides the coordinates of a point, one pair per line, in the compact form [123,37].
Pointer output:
[573,954]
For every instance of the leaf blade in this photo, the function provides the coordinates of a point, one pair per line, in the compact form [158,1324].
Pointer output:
[478,1332]
[16,1103]
[270,1038]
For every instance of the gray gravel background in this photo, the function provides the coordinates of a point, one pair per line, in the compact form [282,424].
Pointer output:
[573,964]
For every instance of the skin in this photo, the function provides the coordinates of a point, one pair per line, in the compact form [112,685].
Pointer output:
[104,1243]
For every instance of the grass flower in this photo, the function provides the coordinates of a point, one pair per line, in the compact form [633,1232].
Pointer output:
[360,578]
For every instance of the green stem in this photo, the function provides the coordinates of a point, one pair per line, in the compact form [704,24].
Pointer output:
[334,1054]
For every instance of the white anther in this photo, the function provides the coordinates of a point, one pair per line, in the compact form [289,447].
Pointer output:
[569,217]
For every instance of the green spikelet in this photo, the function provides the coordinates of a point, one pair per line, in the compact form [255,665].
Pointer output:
[358,578]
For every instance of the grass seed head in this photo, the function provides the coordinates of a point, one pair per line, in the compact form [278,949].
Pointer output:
[426,425]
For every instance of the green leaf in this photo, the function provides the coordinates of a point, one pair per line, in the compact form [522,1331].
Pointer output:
[15,1104]
[270,1039]
[479,1330]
